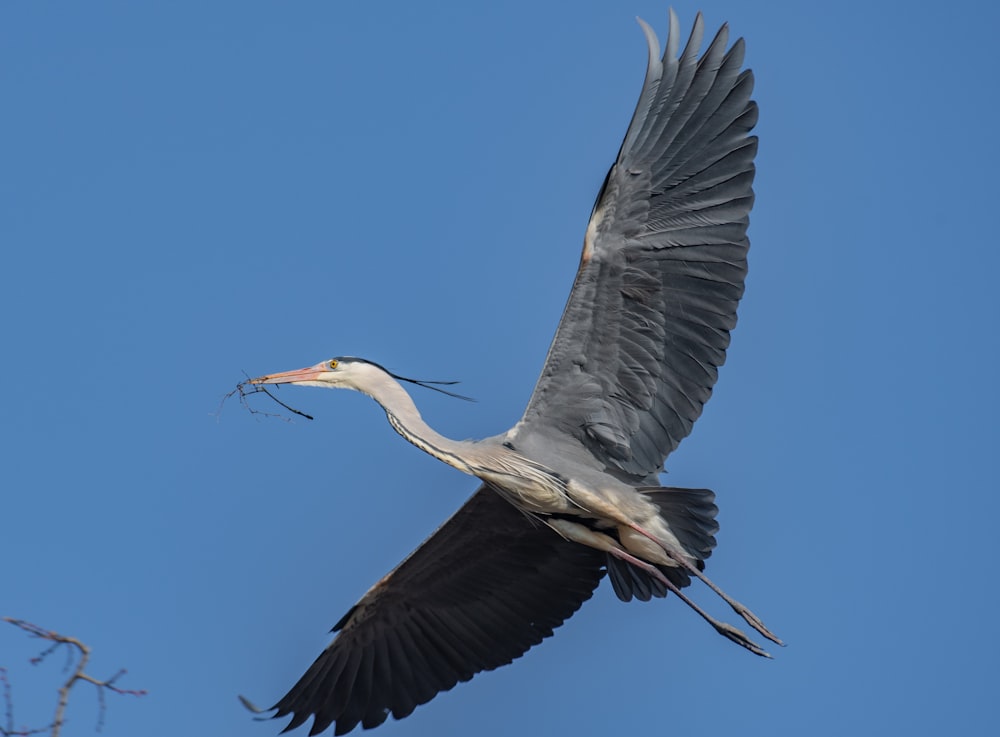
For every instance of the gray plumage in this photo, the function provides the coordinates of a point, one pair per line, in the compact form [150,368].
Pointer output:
[572,490]
[647,324]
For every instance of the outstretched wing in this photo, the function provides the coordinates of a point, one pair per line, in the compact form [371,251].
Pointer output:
[664,259]
[480,591]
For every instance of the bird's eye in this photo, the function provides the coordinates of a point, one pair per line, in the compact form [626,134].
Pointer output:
[333,363]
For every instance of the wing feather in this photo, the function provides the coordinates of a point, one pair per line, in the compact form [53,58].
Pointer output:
[485,587]
[648,321]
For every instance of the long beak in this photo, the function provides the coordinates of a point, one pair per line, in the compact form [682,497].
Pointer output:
[290,377]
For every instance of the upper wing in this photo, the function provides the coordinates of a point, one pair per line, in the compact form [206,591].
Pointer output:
[664,258]
[480,591]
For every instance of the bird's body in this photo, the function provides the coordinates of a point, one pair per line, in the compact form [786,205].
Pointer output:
[573,488]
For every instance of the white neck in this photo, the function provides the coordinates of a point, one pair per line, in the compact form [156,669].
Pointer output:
[405,419]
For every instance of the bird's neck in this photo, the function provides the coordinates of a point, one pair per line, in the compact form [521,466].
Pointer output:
[405,419]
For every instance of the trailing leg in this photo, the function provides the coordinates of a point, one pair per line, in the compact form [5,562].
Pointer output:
[684,560]
[584,535]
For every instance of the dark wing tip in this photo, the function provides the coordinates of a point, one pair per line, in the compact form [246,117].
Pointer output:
[254,709]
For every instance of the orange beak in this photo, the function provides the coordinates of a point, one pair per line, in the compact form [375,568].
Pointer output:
[291,377]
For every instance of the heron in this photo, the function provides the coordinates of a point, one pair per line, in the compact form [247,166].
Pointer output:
[571,493]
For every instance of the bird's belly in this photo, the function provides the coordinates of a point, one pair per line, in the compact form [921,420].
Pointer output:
[531,495]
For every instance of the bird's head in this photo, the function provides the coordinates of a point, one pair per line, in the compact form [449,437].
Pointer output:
[348,372]
[343,372]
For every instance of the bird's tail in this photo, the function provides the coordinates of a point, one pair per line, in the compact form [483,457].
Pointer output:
[690,515]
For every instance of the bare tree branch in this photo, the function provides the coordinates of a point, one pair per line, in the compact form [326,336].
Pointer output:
[73,647]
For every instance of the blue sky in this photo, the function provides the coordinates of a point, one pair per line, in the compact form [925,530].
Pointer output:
[194,190]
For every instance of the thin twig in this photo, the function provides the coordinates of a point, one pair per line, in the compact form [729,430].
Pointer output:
[259,388]
[244,392]
[8,700]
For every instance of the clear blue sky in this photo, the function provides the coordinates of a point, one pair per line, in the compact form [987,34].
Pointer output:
[194,190]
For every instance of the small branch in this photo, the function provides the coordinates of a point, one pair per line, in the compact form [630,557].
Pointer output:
[78,674]
[244,392]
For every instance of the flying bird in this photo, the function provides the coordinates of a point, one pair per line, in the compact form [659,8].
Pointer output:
[572,491]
